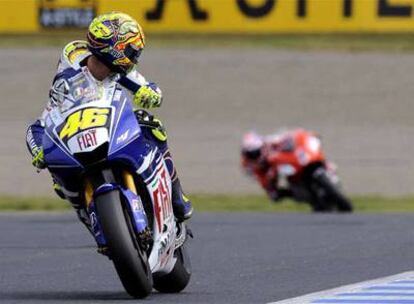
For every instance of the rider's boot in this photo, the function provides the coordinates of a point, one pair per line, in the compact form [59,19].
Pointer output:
[182,206]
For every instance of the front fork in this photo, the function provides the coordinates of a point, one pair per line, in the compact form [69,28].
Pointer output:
[134,206]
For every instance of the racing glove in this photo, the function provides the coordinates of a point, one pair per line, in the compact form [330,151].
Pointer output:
[148,97]
[38,158]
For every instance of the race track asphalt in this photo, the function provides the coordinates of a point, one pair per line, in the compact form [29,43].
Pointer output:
[237,257]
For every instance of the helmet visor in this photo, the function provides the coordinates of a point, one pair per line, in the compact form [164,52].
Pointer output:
[132,52]
[252,155]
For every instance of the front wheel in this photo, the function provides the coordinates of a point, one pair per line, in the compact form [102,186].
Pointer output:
[130,261]
[329,192]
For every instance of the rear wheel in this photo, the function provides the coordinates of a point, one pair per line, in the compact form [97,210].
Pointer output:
[178,278]
[330,195]
[130,260]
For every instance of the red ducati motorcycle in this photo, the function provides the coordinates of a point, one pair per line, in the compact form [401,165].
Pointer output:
[303,170]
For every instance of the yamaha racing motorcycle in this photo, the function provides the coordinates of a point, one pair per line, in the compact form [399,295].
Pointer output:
[95,140]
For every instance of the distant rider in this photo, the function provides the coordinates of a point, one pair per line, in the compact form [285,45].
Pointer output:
[114,43]
[257,160]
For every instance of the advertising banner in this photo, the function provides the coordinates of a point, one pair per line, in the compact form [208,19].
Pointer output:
[216,16]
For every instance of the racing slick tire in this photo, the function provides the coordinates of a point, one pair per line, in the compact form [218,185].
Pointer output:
[333,195]
[129,259]
[178,278]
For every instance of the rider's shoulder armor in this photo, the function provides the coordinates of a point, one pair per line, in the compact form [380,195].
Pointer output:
[73,54]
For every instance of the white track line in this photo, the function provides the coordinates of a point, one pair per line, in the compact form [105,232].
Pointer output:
[349,288]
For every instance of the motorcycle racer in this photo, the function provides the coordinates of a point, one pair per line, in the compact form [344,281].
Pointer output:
[292,163]
[256,160]
[110,54]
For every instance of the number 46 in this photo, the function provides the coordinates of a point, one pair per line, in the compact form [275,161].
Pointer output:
[84,119]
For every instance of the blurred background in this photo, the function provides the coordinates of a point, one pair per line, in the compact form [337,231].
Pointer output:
[342,68]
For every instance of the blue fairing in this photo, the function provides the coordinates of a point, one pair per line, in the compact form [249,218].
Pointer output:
[126,144]
[55,154]
[125,125]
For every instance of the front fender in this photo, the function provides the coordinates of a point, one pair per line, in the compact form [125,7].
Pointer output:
[132,202]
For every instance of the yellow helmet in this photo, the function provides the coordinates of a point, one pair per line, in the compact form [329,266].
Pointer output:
[117,40]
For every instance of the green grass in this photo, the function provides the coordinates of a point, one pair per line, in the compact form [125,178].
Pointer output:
[261,203]
[217,202]
[15,203]
[402,42]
